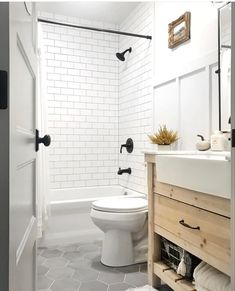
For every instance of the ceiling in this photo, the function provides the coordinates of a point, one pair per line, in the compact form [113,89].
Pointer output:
[111,12]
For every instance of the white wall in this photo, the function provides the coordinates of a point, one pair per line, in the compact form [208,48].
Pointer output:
[82,90]
[203,35]
[185,83]
[135,95]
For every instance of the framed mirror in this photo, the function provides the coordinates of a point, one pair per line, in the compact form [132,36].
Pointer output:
[224,66]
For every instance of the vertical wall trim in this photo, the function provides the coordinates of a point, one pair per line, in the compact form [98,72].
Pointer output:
[203,66]
[179,109]
[233,153]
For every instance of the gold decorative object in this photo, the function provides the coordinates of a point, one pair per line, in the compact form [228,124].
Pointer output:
[179,30]
[164,136]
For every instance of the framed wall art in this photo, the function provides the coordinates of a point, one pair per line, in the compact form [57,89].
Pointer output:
[179,30]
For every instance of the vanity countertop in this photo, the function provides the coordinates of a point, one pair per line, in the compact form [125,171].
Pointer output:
[202,171]
[188,152]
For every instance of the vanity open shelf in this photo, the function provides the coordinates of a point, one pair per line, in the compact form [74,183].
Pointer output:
[169,276]
[196,221]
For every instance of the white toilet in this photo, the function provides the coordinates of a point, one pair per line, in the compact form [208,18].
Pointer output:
[124,223]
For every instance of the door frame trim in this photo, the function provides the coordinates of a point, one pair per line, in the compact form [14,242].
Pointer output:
[233,151]
[4,152]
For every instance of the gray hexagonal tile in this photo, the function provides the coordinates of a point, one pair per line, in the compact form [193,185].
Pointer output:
[85,274]
[92,255]
[111,276]
[42,270]
[98,266]
[77,263]
[51,253]
[43,282]
[56,262]
[69,248]
[119,287]
[60,273]
[93,286]
[65,285]
[129,269]
[73,255]
[77,267]
[136,279]
[86,248]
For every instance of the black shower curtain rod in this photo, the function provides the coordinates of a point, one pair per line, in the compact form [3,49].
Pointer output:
[94,28]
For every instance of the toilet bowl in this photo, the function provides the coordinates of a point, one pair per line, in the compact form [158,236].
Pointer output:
[124,223]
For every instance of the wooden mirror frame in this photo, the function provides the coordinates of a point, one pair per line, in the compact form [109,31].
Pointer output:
[172,42]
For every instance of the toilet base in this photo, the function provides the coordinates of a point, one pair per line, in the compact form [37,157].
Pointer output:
[118,250]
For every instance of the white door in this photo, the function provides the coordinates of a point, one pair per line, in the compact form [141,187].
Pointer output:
[22,155]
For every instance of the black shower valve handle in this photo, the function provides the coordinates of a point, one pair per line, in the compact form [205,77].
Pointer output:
[122,146]
[129,145]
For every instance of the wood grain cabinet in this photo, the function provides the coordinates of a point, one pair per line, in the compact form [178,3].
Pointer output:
[195,221]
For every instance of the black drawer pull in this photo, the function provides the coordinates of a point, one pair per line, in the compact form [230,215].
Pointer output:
[187,225]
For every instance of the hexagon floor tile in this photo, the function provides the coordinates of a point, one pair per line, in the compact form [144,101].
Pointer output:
[77,267]
[65,285]
[111,277]
[51,253]
[119,287]
[136,279]
[60,273]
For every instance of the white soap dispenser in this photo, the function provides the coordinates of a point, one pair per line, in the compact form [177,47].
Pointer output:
[217,141]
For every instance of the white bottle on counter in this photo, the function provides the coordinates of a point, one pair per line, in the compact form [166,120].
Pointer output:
[217,141]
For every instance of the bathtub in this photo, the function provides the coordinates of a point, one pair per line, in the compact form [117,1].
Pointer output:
[70,220]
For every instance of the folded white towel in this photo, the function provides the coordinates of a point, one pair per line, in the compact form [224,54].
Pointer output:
[210,278]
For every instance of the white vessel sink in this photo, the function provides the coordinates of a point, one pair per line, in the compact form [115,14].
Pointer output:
[208,173]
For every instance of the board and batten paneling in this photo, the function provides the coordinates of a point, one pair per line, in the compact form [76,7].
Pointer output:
[188,102]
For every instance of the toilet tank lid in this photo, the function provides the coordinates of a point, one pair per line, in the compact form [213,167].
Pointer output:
[121,204]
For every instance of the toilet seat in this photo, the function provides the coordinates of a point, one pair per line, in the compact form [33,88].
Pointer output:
[121,205]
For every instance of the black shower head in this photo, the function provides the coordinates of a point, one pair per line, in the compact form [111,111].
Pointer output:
[121,56]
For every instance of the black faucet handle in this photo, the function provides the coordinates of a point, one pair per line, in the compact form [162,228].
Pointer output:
[129,145]
[122,146]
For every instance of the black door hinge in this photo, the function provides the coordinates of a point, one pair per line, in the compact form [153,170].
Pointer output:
[3,89]
[233,137]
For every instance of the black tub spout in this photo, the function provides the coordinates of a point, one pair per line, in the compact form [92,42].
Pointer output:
[121,171]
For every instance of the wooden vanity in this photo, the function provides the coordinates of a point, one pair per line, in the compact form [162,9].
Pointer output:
[197,222]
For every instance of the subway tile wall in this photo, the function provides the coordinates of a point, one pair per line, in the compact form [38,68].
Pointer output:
[135,95]
[82,90]
[96,102]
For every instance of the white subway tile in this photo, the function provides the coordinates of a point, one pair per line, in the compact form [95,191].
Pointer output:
[95,103]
